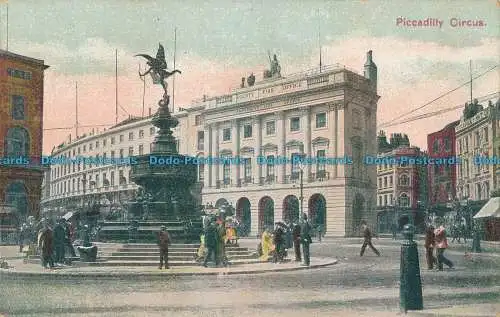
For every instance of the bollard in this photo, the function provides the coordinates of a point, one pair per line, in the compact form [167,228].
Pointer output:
[476,242]
[410,287]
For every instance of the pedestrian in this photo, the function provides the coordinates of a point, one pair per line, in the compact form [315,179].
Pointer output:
[59,242]
[367,234]
[320,232]
[441,245]
[305,239]
[221,243]
[278,240]
[22,233]
[394,229]
[429,247]
[163,242]
[211,244]
[68,238]
[296,242]
[45,244]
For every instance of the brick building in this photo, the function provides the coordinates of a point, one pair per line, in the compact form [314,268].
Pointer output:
[21,122]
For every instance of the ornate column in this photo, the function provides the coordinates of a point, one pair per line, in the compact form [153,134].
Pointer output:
[306,113]
[281,134]
[215,153]
[332,123]
[235,169]
[257,168]
[208,182]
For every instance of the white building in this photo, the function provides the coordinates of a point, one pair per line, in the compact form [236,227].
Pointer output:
[329,113]
[478,137]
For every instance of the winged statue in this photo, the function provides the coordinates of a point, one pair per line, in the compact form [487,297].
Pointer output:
[158,68]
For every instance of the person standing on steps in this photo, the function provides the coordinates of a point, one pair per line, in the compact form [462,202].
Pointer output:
[211,244]
[305,238]
[163,242]
[367,234]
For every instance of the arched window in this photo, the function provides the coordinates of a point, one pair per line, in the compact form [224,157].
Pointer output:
[17,142]
[404,200]
[15,195]
[404,180]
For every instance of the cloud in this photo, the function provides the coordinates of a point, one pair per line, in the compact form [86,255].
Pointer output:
[411,73]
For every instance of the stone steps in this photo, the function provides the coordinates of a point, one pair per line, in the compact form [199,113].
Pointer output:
[170,257]
[170,263]
[171,253]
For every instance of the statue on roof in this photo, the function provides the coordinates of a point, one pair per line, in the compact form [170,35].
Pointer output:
[275,68]
[158,68]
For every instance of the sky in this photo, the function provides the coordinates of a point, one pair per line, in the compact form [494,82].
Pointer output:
[220,41]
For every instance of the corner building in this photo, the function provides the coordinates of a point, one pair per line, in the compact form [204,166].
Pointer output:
[319,113]
[21,123]
[329,113]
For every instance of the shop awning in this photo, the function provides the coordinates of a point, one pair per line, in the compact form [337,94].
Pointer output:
[490,210]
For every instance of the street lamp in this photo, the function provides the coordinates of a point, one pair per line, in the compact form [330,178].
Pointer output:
[301,167]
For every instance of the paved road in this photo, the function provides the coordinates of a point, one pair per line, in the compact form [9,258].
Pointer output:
[367,285]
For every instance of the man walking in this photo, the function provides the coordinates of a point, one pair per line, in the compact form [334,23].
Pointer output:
[59,241]
[45,244]
[164,242]
[441,245]
[305,238]
[367,234]
[429,247]
[211,244]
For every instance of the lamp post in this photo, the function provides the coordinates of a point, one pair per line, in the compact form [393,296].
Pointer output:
[301,197]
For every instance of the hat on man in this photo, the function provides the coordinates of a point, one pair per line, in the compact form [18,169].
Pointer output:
[163,228]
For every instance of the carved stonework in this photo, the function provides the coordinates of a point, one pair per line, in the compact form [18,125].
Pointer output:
[294,144]
[333,106]
[225,152]
[320,141]
[246,150]
[270,147]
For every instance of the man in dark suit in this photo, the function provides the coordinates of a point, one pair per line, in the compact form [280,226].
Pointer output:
[367,234]
[164,242]
[305,238]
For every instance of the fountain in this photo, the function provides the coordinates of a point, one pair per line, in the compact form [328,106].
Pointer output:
[165,177]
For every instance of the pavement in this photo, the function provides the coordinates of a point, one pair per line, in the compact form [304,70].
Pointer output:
[365,286]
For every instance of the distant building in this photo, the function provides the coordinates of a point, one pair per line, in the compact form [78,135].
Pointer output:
[401,186]
[442,178]
[21,124]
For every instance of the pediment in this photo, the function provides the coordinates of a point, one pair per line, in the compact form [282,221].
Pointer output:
[246,149]
[320,141]
[270,147]
[294,143]
[225,152]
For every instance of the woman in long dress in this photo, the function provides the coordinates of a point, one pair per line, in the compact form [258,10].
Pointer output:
[267,245]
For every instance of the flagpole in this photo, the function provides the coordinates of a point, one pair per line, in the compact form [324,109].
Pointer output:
[76,109]
[173,79]
[116,86]
[7,48]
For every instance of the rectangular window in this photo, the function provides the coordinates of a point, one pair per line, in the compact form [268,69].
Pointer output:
[84,148]
[270,166]
[320,156]
[131,151]
[130,136]
[486,136]
[104,142]
[122,138]
[321,120]
[113,140]
[385,182]
[380,200]
[385,200]
[122,153]
[247,131]
[197,120]
[391,199]
[91,146]
[141,149]
[201,172]
[390,181]
[380,183]
[112,178]
[201,140]
[295,124]
[226,134]
[270,127]
[226,171]
[248,169]
[141,134]
[18,107]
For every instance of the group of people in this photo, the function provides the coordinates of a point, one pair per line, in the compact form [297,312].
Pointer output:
[435,240]
[275,243]
[213,243]
[53,242]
